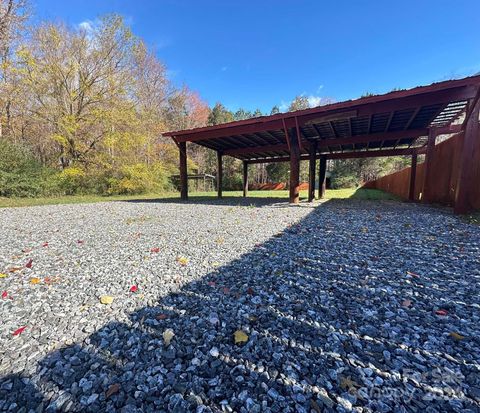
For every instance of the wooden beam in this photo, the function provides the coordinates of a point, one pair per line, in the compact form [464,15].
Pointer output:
[219,173]
[429,179]
[413,176]
[294,169]
[182,148]
[322,173]
[325,143]
[345,155]
[245,179]
[466,182]
[312,170]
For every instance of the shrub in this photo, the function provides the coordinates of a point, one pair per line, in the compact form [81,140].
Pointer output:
[139,178]
[20,174]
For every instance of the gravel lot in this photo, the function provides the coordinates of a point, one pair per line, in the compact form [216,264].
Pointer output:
[348,306]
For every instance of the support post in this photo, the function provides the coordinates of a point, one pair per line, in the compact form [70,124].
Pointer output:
[413,176]
[428,179]
[182,146]
[312,170]
[219,173]
[294,168]
[322,172]
[245,179]
[465,182]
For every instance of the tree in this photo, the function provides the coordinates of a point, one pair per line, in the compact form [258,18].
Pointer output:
[219,114]
[13,15]
[300,102]
[275,110]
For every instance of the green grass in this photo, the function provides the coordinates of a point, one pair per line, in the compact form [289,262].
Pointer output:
[352,193]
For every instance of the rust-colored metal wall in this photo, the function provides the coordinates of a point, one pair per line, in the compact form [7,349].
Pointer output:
[445,165]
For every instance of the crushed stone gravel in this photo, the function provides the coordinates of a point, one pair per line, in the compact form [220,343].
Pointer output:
[239,306]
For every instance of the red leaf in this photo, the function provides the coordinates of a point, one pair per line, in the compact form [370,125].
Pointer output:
[133,288]
[19,331]
[45,244]
[155,249]
[250,291]
[4,294]
[441,312]
[80,241]
[29,263]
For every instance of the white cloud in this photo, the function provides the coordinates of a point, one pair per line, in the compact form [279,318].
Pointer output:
[87,25]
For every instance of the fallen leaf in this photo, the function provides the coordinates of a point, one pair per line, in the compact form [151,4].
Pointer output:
[34,280]
[215,264]
[114,388]
[441,312]
[2,275]
[456,336]
[168,334]
[182,260]
[45,244]
[250,291]
[161,316]
[364,229]
[4,294]
[106,299]
[211,283]
[346,383]
[133,288]
[29,263]
[406,303]
[80,241]
[412,274]
[15,269]
[226,290]
[156,249]
[240,337]
[26,250]
[19,331]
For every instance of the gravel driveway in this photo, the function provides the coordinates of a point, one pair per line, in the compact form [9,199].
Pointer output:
[346,306]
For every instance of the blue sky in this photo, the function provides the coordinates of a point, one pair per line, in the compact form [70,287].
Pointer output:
[263,53]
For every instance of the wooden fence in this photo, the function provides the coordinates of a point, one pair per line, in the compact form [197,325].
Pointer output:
[446,165]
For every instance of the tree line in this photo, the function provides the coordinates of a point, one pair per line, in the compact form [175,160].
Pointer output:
[82,110]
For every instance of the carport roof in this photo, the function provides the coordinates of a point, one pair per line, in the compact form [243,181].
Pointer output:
[398,119]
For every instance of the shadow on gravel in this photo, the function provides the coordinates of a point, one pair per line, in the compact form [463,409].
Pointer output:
[226,200]
[306,305]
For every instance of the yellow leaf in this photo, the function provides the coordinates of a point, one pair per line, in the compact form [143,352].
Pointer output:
[106,299]
[2,275]
[34,280]
[456,336]
[215,264]
[240,337]
[182,260]
[168,334]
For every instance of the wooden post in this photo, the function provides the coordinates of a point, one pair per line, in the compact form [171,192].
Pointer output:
[245,179]
[311,171]
[182,146]
[413,176]
[219,173]
[465,182]
[294,168]
[429,179]
[322,172]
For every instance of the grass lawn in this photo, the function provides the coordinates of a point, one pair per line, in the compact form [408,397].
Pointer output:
[352,193]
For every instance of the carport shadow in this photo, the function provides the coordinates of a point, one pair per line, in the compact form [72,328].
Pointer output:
[301,301]
[212,200]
